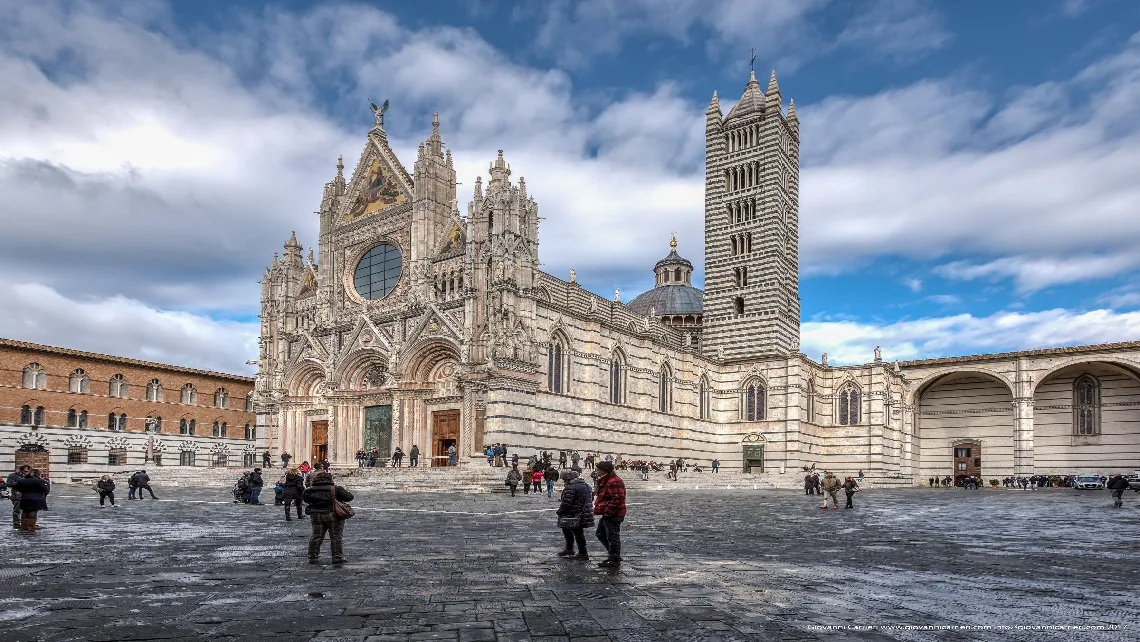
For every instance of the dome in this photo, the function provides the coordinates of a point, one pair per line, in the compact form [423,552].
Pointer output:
[751,103]
[665,300]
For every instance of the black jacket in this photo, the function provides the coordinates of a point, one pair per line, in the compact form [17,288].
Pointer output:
[256,480]
[140,479]
[33,491]
[292,487]
[575,503]
[550,475]
[1118,483]
[106,486]
[319,498]
[13,477]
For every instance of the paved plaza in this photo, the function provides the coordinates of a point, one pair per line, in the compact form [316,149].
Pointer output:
[700,565]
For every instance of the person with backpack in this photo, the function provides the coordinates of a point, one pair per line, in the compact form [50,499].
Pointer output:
[106,488]
[1117,485]
[551,475]
[321,498]
[513,479]
[574,514]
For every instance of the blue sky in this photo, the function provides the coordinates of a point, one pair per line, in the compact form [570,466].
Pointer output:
[968,182]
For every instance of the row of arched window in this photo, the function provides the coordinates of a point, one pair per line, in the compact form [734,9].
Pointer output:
[30,416]
[753,397]
[742,177]
[35,378]
[741,211]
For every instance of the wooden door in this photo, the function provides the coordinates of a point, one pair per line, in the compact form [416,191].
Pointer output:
[33,455]
[445,433]
[320,449]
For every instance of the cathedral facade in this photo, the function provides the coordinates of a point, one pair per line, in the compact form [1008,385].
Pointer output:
[416,324]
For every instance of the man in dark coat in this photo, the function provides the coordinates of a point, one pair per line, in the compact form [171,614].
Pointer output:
[551,476]
[266,459]
[575,514]
[1118,484]
[33,491]
[255,484]
[319,499]
[285,457]
[14,477]
[291,490]
[142,482]
[809,485]
[610,507]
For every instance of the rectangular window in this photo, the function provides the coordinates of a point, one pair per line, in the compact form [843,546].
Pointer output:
[961,466]
[186,458]
[77,455]
[117,457]
[248,460]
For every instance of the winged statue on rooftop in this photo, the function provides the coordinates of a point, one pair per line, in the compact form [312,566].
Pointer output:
[378,112]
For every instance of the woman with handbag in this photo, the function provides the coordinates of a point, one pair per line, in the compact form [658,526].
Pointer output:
[327,511]
[575,513]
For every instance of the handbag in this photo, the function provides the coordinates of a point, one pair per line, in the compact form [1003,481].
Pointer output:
[342,510]
[569,522]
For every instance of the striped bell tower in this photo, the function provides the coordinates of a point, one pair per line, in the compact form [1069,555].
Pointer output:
[751,294]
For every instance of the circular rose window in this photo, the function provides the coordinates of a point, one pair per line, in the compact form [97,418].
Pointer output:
[378,272]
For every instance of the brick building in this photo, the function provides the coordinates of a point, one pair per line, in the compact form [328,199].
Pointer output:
[80,412]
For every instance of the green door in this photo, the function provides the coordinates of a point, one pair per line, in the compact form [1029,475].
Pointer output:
[753,459]
[378,429]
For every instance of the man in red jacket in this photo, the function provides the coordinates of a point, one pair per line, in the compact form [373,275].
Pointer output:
[610,508]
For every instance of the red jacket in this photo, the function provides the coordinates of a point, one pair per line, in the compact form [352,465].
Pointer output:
[536,476]
[611,497]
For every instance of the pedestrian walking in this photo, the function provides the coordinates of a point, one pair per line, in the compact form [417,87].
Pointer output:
[610,507]
[551,475]
[536,482]
[132,486]
[106,488]
[10,483]
[809,485]
[266,460]
[398,457]
[142,482]
[831,486]
[320,499]
[305,470]
[672,471]
[850,487]
[292,489]
[716,465]
[285,457]
[513,479]
[644,471]
[815,483]
[574,514]
[33,490]
[414,456]
[256,482]
[1117,485]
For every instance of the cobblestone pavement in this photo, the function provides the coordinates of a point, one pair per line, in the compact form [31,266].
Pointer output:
[701,565]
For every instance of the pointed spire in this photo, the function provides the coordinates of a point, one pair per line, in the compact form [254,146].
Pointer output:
[340,166]
[673,243]
[500,172]
[714,105]
[617,295]
[478,188]
[292,242]
[772,98]
[312,261]
[792,110]
[435,123]
[772,84]
[273,266]
[522,188]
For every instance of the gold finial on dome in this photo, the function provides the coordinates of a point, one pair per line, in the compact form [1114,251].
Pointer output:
[673,243]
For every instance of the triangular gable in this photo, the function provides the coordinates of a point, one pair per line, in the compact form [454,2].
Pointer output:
[445,324]
[309,285]
[317,345]
[454,242]
[379,182]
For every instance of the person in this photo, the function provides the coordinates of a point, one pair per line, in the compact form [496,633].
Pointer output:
[815,483]
[672,471]
[452,455]
[132,486]
[414,455]
[716,465]
[325,465]
[255,483]
[932,482]
[10,483]
[1117,485]
[142,482]
[536,482]
[860,475]
[551,475]
[831,486]
[106,488]
[398,457]
[292,489]
[33,491]
[809,485]
[562,459]
[610,507]
[266,460]
[319,507]
[285,457]
[645,471]
[489,452]
[574,514]
[513,479]
[304,469]
[850,487]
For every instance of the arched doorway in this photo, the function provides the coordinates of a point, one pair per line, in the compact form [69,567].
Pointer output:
[753,455]
[34,455]
[963,410]
[434,368]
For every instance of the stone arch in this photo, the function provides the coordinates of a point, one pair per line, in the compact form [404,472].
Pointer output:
[357,367]
[304,379]
[1127,366]
[425,361]
[932,378]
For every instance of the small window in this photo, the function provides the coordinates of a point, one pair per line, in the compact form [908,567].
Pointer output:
[76,455]
[72,418]
[250,432]
[249,459]
[117,457]
[753,403]
[117,387]
[249,402]
[221,460]
[186,458]
[961,466]
[1086,406]
[154,425]
[557,367]
[738,305]
[26,415]
[154,390]
[705,398]
[617,378]
[665,390]
[221,398]
[218,432]
[39,416]
[79,382]
[189,395]
[82,418]
[849,406]
[34,377]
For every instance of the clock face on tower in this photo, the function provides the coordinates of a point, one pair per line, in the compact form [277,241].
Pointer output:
[378,272]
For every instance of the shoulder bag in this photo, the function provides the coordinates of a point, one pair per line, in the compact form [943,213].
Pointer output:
[341,510]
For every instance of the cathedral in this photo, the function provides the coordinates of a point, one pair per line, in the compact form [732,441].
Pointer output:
[417,324]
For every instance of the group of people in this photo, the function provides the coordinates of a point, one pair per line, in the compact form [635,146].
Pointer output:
[829,486]
[28,489]
[369,458]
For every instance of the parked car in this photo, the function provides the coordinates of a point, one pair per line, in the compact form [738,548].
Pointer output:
[1134,481]
[1087,482]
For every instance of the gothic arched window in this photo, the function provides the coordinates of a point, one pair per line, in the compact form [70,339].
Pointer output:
[26,415]
[34,377]
[810,402]
[617,377]
[665,390]
[82,418]
[558,365]
[752,402]
[1086,405]
[117,387]
[79,382]
[72,418]
[221,398]
[154,390]
[705,398]
[189,394]
[850,405]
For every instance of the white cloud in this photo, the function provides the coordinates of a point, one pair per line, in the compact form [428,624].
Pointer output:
[1031,274]
[128,328]
[914,284]
[852,342]
[903,30]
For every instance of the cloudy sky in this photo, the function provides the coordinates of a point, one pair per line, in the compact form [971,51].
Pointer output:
[970,178]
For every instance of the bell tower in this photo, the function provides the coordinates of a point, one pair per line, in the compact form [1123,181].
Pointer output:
[751,294]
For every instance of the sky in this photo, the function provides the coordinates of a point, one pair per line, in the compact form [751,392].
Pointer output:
[970,171]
